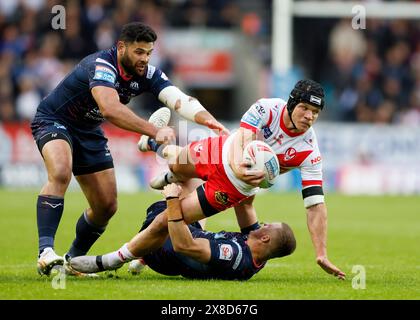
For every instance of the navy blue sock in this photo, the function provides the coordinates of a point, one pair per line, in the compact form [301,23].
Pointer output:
[49,210]
[156,147]
[86,235]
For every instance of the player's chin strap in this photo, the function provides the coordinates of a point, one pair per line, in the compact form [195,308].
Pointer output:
[291,104]
[290,116]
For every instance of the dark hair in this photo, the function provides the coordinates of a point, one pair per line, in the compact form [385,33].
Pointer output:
[307,91]
[285,242]
[137,31]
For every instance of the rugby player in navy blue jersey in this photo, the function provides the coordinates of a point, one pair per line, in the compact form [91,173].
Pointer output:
[194,252]
[67,131]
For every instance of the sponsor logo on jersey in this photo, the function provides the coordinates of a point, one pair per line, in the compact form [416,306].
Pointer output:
[267,132]
[251,120]
[94,114]
[260,109]
[221,197]
[59,126]
[225,252]
[316,160]
[220,235]
[103,73]
[164,76]
[134,85]
[290,154]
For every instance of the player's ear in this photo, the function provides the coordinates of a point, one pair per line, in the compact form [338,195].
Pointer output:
[265,238]
[121,46]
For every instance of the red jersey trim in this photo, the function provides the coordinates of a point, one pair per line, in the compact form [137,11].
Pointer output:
[248,126]
[307,183]
[284,128]
[122,74]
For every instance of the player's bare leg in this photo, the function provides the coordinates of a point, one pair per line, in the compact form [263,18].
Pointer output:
[100,189]
[181,167]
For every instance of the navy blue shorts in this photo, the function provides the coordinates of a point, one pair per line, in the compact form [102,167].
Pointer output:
[89,147]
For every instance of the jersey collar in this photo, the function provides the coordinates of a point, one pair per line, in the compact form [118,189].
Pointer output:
[122,74]
[285,129]
[254,263]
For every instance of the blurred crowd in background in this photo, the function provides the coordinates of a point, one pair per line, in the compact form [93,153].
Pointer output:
[370,75]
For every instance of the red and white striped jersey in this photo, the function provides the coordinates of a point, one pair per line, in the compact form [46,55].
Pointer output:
[294,150]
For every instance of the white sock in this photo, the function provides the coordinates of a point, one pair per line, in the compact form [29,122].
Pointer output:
[117,258]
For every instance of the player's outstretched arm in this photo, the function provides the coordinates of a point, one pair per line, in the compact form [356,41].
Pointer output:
[181,237]
[114,111]
[190,108]
[317,225]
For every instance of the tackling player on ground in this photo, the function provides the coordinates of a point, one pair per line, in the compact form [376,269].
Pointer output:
[196,253]
[210,160]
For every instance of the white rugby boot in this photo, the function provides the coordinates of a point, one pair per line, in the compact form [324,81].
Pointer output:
[47,260]
[160,118]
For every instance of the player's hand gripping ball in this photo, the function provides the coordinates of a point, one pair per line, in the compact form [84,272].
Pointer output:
[263,158]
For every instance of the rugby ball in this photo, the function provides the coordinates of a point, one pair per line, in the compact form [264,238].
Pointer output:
[262,157]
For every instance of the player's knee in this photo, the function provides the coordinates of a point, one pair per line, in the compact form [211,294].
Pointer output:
[177,169]
[110,207]
[61,175]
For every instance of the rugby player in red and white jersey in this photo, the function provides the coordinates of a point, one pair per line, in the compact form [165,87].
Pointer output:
[287,128]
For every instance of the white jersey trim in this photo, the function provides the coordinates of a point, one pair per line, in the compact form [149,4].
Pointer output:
[313,200]
[150,71]
[100,60]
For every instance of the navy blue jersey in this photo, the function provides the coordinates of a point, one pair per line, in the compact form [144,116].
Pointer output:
[231,257]
[71,101]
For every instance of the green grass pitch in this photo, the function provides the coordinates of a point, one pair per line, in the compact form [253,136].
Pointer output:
[382,234]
